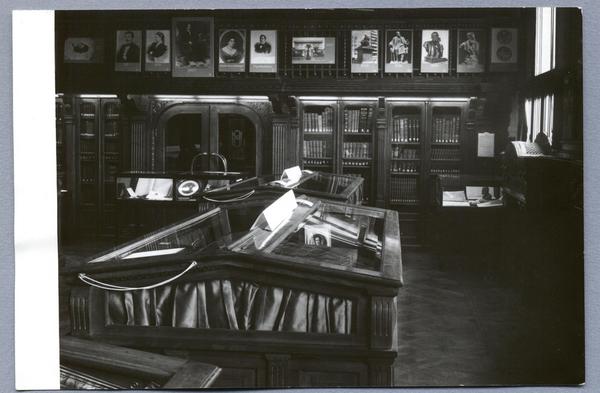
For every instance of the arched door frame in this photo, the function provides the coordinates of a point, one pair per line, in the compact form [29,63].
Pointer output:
[210,129]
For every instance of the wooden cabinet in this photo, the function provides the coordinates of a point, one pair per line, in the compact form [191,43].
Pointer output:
[338,136]
[423,137]
[97,157]
[324,315]
[64,126]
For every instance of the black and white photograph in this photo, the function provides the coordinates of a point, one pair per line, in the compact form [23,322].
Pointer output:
[471,53]
[399,51]
[434,51]
[365,51]
[322,218]
[263,51]
[313,50]
[504,49]
[158,50]
[128,51]
[232,50]
[317,235]
[193,47]
[83,50]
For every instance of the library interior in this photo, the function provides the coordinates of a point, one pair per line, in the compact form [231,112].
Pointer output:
[320,197]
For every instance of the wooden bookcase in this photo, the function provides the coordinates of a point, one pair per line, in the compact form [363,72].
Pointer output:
[423,137]
[97,156]
[319,134]
[339,136]
[64,122]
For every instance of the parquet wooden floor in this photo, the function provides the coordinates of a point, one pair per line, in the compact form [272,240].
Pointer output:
[462,324]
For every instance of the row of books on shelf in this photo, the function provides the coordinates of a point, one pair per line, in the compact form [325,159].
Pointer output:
[358,120]
[111,128]
[321,161]
[317,148]
[88,172]
[404,190]
[405,129]
[448,177]
[445,154]
[87,127]
[88,196]
[356,163]
[357,150]
[405,167]
[87,108]
[445,171]
[405,154]
[446,129]
[112,146]
[318,121]
[87,156]
[111,156]
[111,109]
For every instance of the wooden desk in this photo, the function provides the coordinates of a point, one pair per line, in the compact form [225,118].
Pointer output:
[87,364]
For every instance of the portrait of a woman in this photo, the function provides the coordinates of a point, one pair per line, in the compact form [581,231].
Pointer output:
[231,44]
[157,48]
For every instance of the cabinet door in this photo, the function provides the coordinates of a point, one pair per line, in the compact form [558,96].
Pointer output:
[358,145]
[318,125]
[110,162]
[187,131]
[236,134]
[87,189]
[447,141]
[404,153]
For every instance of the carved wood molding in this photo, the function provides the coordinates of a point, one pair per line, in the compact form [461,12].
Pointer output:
[383,322]
[381,373]
[277,371]
[79,311]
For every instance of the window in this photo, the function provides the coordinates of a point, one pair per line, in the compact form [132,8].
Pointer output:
[539,109]
[545,39]
[539,117]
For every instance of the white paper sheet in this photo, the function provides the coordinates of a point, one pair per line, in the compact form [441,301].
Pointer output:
[485,144]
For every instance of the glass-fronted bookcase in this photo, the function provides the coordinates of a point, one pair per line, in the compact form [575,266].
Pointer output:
[338,135]
[423,137]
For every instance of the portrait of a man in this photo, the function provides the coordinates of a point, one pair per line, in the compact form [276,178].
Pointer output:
[263,51]
[191,55]
[262,46]
[317,235]
[128,53]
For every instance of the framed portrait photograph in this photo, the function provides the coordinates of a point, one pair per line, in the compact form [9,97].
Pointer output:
[313,50]
[317,235]
[128,51]
[399,51]
[470,51]
[157,51]
[263,51]
[434,51]
[504,49]
[232,50]
[83,50]
[364,51]
[192,53]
